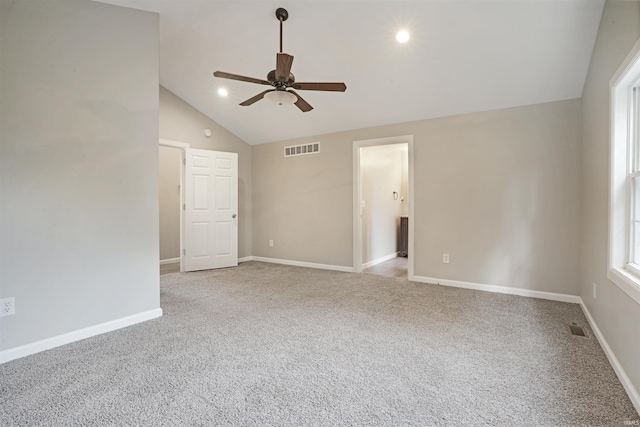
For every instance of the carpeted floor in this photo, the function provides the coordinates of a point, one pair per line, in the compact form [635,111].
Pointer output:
[265,344]
[174,267]
[394,267]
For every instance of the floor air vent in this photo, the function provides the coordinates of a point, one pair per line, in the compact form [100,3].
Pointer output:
[302,150]
[577,330]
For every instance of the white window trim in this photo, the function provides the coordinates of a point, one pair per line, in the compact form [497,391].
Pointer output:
[625,276]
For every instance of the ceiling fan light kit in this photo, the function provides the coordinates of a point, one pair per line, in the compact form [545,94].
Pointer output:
[282,80]
[281,97]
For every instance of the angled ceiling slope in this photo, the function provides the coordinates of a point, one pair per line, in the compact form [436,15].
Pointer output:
[463,56]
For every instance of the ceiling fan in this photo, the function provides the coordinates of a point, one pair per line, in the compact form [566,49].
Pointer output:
[282,80]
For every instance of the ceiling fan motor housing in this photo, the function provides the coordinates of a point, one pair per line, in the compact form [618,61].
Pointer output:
[272,78]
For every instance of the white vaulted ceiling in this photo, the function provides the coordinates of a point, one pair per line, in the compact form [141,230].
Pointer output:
[463,56]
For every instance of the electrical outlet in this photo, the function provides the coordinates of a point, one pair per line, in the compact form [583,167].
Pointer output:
[271,243]
[445,258]
[7,306]
[594,291]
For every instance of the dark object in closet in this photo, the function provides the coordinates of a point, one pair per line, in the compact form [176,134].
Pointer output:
[404,236]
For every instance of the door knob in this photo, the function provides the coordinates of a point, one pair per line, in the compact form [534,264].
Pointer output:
[233,216]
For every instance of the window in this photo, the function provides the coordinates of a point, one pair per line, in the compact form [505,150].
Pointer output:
[634,182]
[624,214]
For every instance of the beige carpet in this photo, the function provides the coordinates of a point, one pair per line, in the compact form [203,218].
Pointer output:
[265,344]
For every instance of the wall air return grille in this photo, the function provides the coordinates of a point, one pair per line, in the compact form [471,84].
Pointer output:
[302,150]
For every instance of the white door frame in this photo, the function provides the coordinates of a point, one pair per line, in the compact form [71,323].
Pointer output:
[357,198]
[182,146]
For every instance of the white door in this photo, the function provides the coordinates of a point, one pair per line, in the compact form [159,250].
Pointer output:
[211,207]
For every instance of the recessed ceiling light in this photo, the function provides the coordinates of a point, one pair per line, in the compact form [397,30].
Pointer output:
[222,92]
[402,36]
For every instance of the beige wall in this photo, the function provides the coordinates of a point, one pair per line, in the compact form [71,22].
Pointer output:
[169,187]
[303,203]
[381,175]
[79,161]
[499,191]
[181,122]
[616,314]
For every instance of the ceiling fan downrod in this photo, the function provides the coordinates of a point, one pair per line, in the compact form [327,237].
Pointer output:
[282,15]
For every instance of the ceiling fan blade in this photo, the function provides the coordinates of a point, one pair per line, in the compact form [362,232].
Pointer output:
[283,66]
[331,87]
[256,98]
[303,105]
[230,76]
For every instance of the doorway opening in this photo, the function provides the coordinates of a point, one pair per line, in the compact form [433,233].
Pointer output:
[171,183]
[383,206]
[203,233]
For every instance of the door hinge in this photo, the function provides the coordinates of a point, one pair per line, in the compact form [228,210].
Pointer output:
[184,161]
[184,207]
[184,252]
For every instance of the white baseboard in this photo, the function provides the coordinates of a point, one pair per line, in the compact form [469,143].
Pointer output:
[613,360]
[245,259]
[379,260]
[46,344]
[169,261]
[499,289]
[304,264]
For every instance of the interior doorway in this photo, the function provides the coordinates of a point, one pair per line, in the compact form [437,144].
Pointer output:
[170,187]
[384,184]
[383,195]
[198,224]
[171,183]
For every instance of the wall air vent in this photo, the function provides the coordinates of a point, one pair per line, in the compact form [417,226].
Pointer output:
[302,150]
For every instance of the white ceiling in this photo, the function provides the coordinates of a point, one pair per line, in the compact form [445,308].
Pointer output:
[463,56]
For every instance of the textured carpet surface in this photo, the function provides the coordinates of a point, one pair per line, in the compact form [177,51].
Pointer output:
[265,344]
